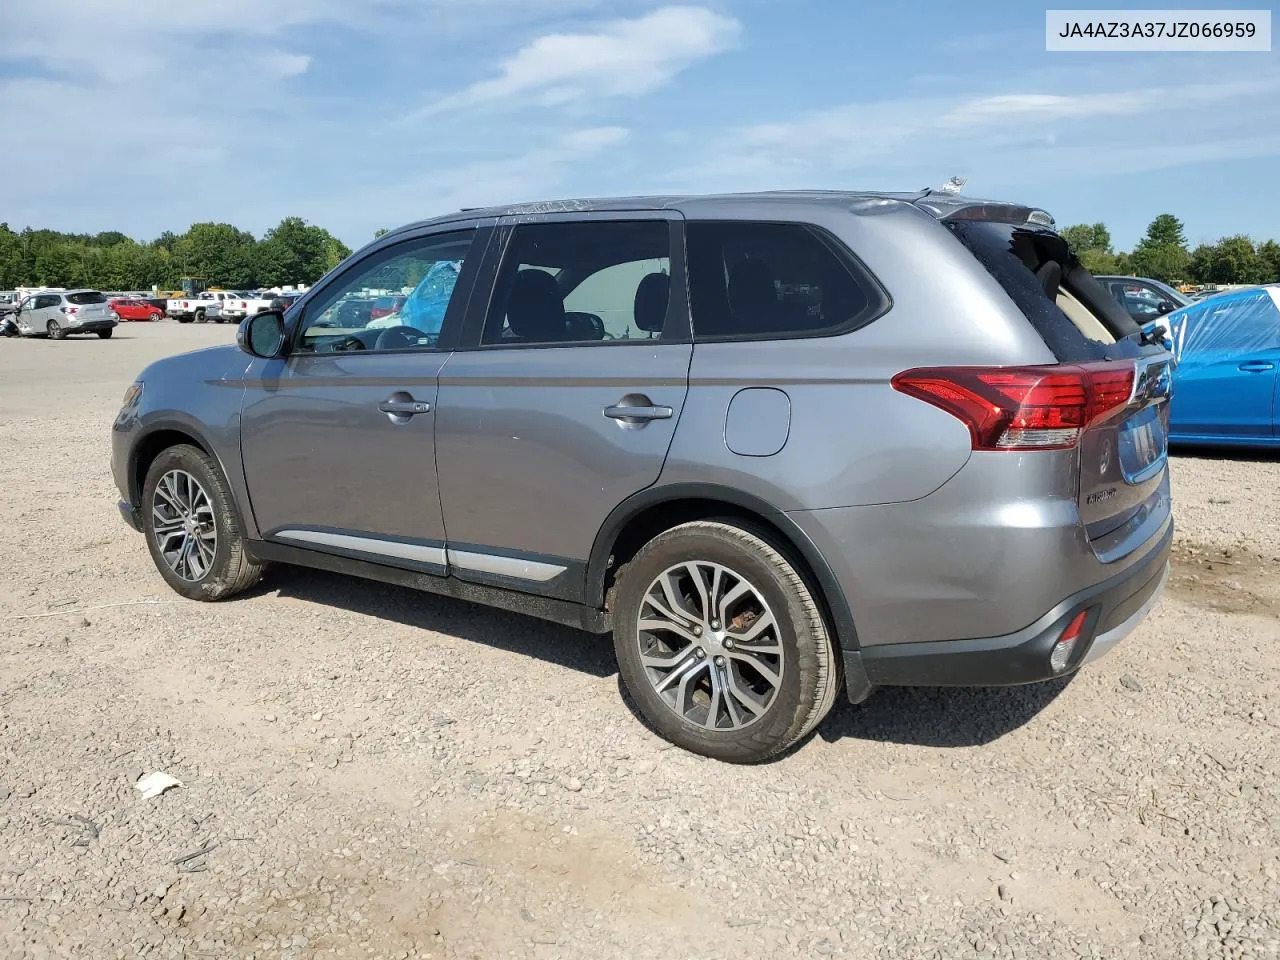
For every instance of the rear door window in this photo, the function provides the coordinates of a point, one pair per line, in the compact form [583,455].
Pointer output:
[752,280]
[583,282]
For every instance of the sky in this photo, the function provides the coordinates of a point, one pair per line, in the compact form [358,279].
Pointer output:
[148,115]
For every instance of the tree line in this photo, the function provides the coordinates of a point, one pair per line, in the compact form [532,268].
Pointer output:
[296,252]
[292,252]
[1162,254]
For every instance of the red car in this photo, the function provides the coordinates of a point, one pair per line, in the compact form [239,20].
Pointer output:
[127,309]
[385,306]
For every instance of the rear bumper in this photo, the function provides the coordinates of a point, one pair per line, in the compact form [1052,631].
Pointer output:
[90,326]
[1114,607]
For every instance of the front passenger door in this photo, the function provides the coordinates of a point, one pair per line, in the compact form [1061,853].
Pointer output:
[338,436]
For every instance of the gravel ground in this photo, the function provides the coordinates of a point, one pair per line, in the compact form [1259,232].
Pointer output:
[371,772]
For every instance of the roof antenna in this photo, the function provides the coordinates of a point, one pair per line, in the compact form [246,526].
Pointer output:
[952,186]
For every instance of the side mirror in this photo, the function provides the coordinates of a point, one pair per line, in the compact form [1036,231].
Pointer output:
[262,335]
[1163,307]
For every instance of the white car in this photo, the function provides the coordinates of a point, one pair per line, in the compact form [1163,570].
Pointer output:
[57,314]
[202,307]
[243,305]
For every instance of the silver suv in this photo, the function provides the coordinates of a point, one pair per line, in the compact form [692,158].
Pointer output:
[57,313]
[776,444]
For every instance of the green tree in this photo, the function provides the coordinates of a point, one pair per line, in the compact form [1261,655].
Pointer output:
[380,232]
[1200,267]
[1162,253]
[1088,236]
[110,238]
[1269,262]
[11,265]
[296,252]
[1234,260]
[1099,262]
[218,252]
[1165,230]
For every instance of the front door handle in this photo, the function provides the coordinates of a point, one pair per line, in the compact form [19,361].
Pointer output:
[637,414]
[1257,366]
[404,408]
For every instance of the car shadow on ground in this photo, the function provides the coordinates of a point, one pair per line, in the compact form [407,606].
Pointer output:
[513,632]
[940,716]
[919,716]
[1246,454]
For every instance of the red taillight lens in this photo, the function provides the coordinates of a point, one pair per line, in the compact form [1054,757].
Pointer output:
[1023,408]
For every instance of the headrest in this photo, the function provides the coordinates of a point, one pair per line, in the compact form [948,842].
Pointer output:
[651,302]
[535,309]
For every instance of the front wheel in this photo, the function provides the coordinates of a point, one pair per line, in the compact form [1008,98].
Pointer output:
[193,528]
[104,334]
[157,315]
[721,644]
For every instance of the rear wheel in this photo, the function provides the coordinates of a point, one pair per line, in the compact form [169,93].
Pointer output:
[193,528]
[199,316]
[104,334]
[184,319]
[55,331]
[721,644]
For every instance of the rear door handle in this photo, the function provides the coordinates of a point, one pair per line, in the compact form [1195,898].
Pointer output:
[637,414]
[404,408]
[1257,366]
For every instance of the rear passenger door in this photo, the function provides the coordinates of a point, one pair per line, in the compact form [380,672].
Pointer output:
[563,396]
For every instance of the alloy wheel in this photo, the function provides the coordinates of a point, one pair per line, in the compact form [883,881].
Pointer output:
[710,645]
[183,524]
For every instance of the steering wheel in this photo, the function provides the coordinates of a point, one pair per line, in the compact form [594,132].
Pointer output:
[394,338]
[347,344]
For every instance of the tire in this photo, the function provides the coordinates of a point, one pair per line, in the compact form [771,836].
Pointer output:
[217,571]
[199,316]
[55,331]
[157,315]
[806,670]
[184,319]
[104,334]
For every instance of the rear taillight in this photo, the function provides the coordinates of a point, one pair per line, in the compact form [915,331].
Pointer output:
[1023,408]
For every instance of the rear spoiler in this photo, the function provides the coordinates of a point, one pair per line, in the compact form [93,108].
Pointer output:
[948,206]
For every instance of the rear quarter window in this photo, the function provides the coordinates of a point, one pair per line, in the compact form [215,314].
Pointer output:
[750,280]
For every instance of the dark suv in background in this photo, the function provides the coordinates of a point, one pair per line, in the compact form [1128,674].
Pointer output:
[775,443]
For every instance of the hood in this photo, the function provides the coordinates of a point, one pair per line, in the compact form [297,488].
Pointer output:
[220,362]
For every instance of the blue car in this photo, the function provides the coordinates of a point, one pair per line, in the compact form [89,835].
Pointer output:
[1225,384]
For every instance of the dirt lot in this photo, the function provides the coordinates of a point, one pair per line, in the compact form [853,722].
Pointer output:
[369,772]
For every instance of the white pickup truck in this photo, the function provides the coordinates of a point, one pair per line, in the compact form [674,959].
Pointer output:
[241,306]
[202,307]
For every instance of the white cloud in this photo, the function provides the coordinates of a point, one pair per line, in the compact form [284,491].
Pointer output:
[286,64]
[621,58]
[1022,136]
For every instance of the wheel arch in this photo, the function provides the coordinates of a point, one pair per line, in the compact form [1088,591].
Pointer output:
[157,439]
[638,519]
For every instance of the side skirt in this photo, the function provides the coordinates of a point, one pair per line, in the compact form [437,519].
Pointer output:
[564,612]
